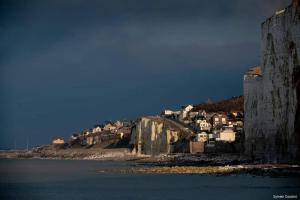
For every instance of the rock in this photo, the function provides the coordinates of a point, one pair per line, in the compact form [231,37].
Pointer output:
[272,99]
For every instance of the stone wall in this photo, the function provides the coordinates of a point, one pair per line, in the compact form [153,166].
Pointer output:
[272,99]
[196,147]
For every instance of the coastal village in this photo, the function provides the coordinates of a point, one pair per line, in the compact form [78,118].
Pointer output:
[265,126]
[188,130]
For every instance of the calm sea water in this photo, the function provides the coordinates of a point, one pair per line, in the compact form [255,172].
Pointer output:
[71,179]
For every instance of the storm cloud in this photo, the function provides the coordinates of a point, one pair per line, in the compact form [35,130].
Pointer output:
[66,65]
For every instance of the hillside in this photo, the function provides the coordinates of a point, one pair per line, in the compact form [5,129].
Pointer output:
[228,105]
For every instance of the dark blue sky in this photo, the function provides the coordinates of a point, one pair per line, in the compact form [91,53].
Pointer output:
[67,65]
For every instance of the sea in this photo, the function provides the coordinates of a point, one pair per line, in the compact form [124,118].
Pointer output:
[80,179]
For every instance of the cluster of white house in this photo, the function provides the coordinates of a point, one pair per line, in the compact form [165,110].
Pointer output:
[187,130]
[208,126]
[99,133]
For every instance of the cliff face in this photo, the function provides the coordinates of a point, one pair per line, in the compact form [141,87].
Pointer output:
[156,135]
[272,98]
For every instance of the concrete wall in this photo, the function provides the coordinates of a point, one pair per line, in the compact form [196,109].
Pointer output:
[272,100]
[196,147]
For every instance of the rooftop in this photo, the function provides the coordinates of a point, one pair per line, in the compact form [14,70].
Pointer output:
[254,71]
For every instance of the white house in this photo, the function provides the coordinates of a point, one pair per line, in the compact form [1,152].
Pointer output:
[167,112]
[58,140]
[219,119]
[184,111]
[109,127]
[202,137]
[203,125]
[227,135]
[97,128]
[187,108]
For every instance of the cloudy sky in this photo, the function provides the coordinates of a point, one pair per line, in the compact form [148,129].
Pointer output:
[67,65]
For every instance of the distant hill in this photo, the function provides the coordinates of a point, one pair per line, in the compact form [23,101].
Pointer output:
[228,105]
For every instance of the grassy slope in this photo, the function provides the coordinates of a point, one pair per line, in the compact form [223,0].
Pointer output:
[228,105]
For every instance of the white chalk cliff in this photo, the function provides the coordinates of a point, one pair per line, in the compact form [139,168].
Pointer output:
[272,93]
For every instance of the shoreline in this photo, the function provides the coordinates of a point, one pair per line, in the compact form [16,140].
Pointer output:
[124,154]
[221,164]
[254,170]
